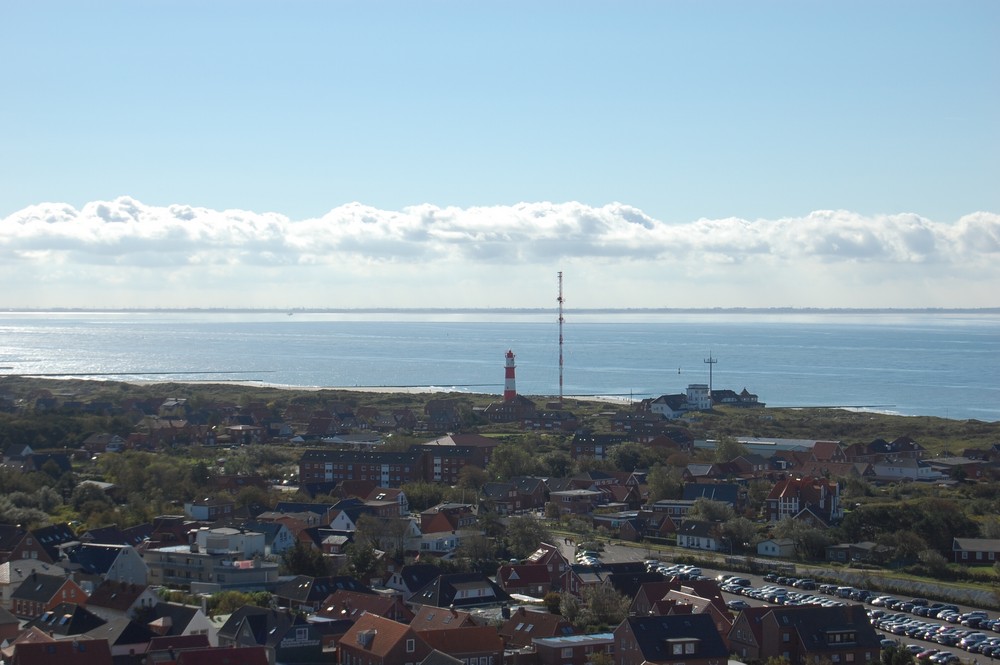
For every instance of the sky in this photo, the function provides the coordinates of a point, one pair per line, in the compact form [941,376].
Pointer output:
[460,154]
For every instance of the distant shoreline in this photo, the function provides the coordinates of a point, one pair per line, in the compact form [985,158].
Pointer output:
[504,310]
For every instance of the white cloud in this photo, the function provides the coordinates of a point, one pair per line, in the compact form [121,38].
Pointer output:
[126,253]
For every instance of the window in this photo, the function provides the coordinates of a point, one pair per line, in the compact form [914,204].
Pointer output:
[567,652]
[411,646]
[678,649]
[849,657]
[689,648]
[786,637]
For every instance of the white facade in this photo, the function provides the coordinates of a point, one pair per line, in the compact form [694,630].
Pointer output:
[242,544]
[698,396]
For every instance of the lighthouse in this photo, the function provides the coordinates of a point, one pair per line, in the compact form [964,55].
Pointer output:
[509,392]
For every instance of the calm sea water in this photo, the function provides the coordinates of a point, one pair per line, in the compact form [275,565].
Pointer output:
[941,364]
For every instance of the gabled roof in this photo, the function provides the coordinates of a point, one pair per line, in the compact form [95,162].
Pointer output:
[173,618]
[51,537]
[429,617]
[248,655]
[264,626]
[94,559]
[443,591]
[344,604]
[653,635]
[378,635]
[69,652]
[525,625]
[168,642]
[39,588]
[122,631]
[418,575]
[67,619]
[306,589]
[116,595]
[465,641]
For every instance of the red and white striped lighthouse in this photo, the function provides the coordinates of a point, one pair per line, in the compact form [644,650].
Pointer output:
[509,393]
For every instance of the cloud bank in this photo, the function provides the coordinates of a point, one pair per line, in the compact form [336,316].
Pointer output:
[123,253]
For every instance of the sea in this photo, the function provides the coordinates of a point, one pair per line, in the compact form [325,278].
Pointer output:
[916,363]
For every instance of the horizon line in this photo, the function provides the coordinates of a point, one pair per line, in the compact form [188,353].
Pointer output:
[526,310]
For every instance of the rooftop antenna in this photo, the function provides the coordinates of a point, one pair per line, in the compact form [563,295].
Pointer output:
[560,300]
[710,361]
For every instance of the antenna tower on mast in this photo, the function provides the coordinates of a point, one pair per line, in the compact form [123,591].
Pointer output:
[560,300]
[710,361]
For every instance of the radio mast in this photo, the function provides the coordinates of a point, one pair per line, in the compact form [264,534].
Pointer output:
[710,361]
[560,300]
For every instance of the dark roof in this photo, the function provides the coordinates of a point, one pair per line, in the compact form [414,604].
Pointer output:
[94,558]
[68,652]
[180,616]
[122,631]
[267,627]
[51,537]
[39,588]
[116,595]
[418,575]
[814,624]
[303,588]
[443,591]
[67,619]
[653,635]
[724,492]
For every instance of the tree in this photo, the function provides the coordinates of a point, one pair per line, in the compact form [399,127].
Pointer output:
[422,495]
[481,553]
[897,655]
[386,534]
[603,607]
[709,510]
[664,483]
[510,460]
[740,532]
[301,559]
[728,448]
[361,560]
[523,535]
[472,477]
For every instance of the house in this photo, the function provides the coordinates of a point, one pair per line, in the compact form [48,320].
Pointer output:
[53,536]
[412,578]
[375,640]
[39,593]
[116,600]
[533,579]
[293,639]
[10,626]
[805,633]
[177,620]
[219,559]
[303,592]
[120,563]
[17,543]
[699,535]
[13,573]
[790,496]
[248,655]
[472,644]
[209,509]
[525,625]
[576,501]
[782,548]
[460,590]
[429,617]
[394,494]
[125,637]
[691,639]
[69,652]
[975,551]
[66,620]
[905,469]
[344,604]
[572,649]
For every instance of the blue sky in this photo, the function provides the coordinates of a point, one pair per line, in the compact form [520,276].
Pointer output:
[755,123]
